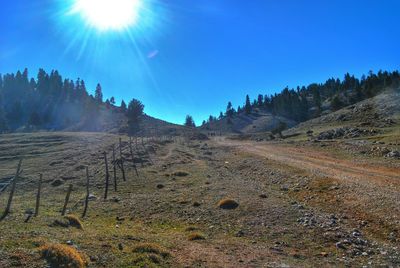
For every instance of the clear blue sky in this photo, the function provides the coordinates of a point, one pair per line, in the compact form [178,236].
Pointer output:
[192,57]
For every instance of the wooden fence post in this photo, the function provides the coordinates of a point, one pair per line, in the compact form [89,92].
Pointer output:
[66,200]
[114,169]
[107,176]
[13,186]
[38,195]
[122,159]
[133,159]
[87,193]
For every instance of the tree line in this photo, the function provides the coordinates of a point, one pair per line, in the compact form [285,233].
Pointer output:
[307,102]
[53,103]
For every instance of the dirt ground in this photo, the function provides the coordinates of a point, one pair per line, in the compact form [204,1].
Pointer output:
[299,204]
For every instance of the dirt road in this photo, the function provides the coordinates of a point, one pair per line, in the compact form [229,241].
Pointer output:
[321,163]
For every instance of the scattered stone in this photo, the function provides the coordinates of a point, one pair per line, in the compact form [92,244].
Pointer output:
[393,154]
[181,174]
[263,196]
[115,199]
[284,188]
[239,233]
[196,204]
[160,186]
[57,182]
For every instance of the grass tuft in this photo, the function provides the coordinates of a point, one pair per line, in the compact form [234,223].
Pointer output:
[58,255]
[74,221]
[196,236]
[151,248]
[228,204]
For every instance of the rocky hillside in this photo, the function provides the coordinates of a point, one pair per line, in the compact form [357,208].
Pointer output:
[257,121]
[378,114]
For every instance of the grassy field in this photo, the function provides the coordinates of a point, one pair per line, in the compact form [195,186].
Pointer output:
[288,214]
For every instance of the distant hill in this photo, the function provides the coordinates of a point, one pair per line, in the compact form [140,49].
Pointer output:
[377,114]
[293,106]
[256,121]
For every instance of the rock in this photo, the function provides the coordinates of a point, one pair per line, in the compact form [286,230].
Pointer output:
[240,233]
[115,199]
[160,186]
[120,246]
[196,204]
[92,197]
[284,188]
[393,154]
[57,182]
[340,245]
[263,196]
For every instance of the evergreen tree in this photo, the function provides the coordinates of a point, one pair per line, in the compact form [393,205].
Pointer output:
[247,106]
[260,100]
[336,103]
[34,119]
[189,122]
[134,113]
[98,94]
[123,106]
[112,101]
[229,110]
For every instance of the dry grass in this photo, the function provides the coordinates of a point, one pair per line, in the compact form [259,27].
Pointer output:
[74,221]
[228,204]
[196,236]
[58,255]
[151,248]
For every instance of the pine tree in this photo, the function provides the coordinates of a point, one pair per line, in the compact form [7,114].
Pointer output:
[98,94]
[123,106]
[247,106]
[112,101]
[189,122]
[229,110]
[134,114]
[260,100]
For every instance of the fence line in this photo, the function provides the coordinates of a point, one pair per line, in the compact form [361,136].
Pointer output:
[103,165]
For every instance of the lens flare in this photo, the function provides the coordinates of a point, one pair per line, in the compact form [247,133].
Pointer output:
[108,14]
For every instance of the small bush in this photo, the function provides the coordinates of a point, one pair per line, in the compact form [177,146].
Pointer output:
[151,248]
[147,260]
[228,204]
[58,255]
[74,221]
[196,236]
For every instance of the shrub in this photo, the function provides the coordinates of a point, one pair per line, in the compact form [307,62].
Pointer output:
[228,204]
[147,260]
[74,221]
[58,255]
[151,248]
[196,236]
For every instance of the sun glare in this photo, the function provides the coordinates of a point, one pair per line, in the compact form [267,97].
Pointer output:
[108,14]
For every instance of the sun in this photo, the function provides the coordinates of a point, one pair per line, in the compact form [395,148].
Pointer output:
[106,15]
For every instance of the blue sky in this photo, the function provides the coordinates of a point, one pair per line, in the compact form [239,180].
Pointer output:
[192,57]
